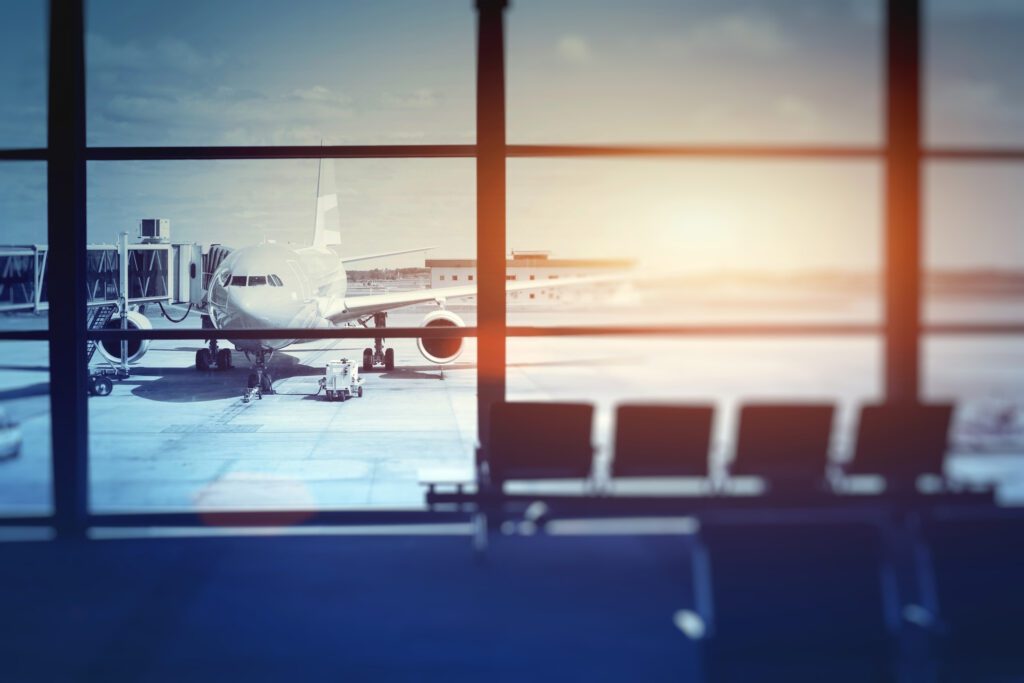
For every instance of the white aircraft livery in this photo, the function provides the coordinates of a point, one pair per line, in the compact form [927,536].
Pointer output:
[276,286]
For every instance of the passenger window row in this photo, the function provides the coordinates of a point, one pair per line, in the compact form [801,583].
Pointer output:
[252,281]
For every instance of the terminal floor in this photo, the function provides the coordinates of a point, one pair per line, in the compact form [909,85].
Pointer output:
[344,608]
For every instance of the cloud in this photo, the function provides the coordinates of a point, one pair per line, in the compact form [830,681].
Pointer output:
[421,98]
[1013,8]
[738,33]
[575,49]
[975,109]
[166,54]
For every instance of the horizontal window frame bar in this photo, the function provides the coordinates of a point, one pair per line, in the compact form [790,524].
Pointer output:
[285,517]
[734,330]
[36,154]
[457,151]
[200,153]
[13,520]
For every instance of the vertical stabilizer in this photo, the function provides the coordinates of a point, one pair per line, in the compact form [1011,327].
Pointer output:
[327,229]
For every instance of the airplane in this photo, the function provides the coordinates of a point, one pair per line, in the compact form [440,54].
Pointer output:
[271,285]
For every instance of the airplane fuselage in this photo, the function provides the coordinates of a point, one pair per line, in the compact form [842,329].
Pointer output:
[271,285]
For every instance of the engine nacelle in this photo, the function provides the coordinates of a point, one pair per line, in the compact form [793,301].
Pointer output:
[111,350]
[441,350]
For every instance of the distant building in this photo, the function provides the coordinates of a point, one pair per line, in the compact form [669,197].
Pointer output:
[532,266]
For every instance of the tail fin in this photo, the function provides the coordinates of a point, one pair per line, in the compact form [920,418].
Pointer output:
[327,228]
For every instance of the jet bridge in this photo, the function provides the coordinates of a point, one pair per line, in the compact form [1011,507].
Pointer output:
[160,272]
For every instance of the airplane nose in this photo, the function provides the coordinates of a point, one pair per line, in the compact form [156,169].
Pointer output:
[247,309]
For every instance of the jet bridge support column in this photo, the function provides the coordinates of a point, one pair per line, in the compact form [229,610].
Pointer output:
[122,300]
[490,208]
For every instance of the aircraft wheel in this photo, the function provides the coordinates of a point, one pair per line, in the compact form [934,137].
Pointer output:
[359,393]
[101,386]
[204,359]
[224,361]
[268,384]
[389,359]
[367,359]
[254,381]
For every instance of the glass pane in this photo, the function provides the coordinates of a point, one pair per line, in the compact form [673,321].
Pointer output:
[23,239]
[266,73]
[984,376]
[974,247]
[25,474]
[23,62]
[720,371]
[176,436]
[696,71]
[974,86]
[693,242]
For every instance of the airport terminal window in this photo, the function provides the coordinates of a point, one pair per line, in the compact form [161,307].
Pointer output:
[149,87]
[785,71]
[708,242]
[178,433]
[360,73]
[972,74]
[23,76]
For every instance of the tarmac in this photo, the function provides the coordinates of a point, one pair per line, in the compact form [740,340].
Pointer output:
[170,438]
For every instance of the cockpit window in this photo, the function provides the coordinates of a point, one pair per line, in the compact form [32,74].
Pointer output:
[257,280]
[238,281]
[276,281]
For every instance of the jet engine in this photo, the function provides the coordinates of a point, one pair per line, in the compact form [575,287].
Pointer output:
[441,350]
[111,349]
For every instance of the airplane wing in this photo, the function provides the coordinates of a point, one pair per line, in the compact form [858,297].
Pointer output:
[369,257]
[358,306]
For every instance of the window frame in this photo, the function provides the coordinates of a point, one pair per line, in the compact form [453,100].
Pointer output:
[902,154]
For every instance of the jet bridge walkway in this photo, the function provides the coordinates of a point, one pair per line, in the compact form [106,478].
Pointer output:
[165,273]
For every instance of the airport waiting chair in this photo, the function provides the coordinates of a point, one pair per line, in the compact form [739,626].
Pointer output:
[662,441]
[901,442]
[540,441]
[977,567]
[796,602]
[786,444]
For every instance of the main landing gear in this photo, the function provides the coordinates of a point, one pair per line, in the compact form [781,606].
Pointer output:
[378,355]
[213,355]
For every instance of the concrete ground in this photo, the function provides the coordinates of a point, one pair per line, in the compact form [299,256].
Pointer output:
[171,438]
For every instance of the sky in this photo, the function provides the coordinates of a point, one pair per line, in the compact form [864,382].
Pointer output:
[579,71]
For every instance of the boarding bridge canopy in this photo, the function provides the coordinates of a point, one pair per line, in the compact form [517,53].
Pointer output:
[166,273]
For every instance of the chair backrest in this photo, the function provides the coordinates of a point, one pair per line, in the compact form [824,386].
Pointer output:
[902,440]
[796,598]
[977,565]
[662,440]
[783,441]
[540,441]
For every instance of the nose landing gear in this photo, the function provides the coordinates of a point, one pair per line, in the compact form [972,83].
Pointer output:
[260,380]
[378,355]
